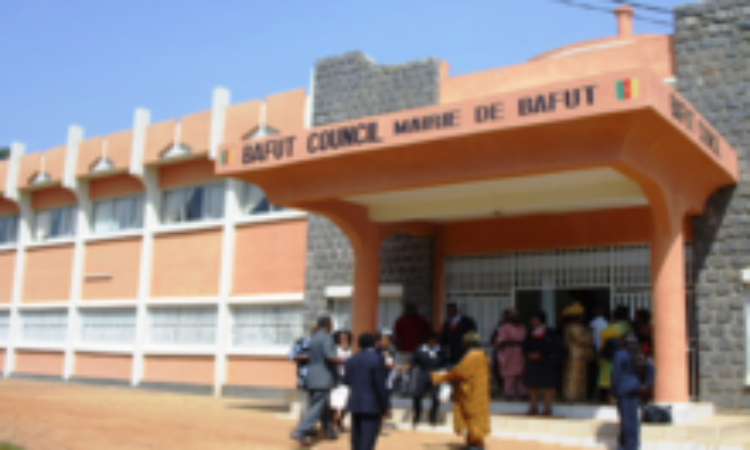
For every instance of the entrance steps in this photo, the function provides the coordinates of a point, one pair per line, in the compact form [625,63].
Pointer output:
[590,426]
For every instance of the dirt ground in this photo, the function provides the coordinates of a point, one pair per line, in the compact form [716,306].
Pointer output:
[59,416]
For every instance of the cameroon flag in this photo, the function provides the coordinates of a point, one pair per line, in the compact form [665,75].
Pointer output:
[225,157]
[627,89]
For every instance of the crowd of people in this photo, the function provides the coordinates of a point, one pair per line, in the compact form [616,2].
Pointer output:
[580,360]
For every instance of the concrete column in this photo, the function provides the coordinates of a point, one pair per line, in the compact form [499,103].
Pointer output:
[366,286]
[669,311]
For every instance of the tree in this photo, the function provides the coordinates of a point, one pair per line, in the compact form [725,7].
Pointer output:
[4,153]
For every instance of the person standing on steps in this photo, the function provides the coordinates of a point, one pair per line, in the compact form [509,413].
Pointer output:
[455,327]
[509,350]
[321,378]
[427,359]
[628,366]
[410,331]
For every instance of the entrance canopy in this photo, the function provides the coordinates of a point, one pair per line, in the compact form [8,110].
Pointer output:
[611,141]
[607,142]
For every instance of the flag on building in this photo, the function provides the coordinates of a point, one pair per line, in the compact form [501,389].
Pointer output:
[628,89]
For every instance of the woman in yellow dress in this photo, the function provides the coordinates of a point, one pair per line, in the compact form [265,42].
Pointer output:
[471,380]
[580,345]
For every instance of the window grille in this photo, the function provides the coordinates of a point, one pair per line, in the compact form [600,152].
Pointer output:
[44,326]
[263,326]
[117,214]
[194,204]
[108,326]
[4,326]
[183,326]
[633,300]
[486,310]
[582,267]
[389,310]
[254,201]
[631,266]
[55,223]
[9,229]
[535,270]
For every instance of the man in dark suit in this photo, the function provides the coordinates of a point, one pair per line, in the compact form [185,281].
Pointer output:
[321,377]
[454,329]
[365,374]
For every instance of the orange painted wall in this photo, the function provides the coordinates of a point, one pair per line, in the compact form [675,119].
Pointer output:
[651,51]
[270,258]
[7,270]
[159,137]
[187,173]
[584,229]
[241,120]
[179,369]
[100,365]
[121,259]
[48,274]
[250,371]
[286,111]
[187,264]
[195,132]
[8,208]
[3,175]
[40,363]
[2,359]
[114,186]
[52,198]
[89,153]
[120,148]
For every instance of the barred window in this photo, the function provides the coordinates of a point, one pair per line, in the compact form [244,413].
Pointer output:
[44,326]
[263,326]
[183,325]
[4,326]
[108,326]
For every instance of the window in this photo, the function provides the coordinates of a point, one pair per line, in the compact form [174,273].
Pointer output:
[341,313]
[194,204]
[389,310]
[44,326]
[183,326]
[254,201]
[118,214]
[8,229]
[4,326]
[108,326]
[55,223]
[264,326]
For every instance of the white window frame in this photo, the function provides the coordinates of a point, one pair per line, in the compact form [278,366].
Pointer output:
[55,328]
[157,344]
[181,203]
[47,217]
[119,325]
[120,219]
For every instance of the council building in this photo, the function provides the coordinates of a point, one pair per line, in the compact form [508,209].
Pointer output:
[190,254]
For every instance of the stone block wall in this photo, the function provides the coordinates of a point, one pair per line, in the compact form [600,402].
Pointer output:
[712,52]
[348,87]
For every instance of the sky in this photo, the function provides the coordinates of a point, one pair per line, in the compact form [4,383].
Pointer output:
[92,63]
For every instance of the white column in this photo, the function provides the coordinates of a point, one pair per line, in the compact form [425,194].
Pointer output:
[81,189]
[219,104]
[24,236]
[150,222]
[228,246]
[150,178]
[83,215]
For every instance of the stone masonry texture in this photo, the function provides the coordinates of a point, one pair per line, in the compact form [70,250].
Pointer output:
[352,86]
[712,53]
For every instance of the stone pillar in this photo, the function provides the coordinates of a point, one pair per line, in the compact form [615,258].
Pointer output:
[670,315]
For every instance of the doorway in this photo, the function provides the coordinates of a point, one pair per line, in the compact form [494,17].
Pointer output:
[554,301]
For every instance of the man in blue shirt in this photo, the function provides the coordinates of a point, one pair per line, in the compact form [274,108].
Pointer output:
[627,386]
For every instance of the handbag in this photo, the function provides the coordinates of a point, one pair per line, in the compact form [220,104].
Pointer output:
[656,414]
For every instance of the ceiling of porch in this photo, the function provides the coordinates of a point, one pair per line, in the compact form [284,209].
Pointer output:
[579,190]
